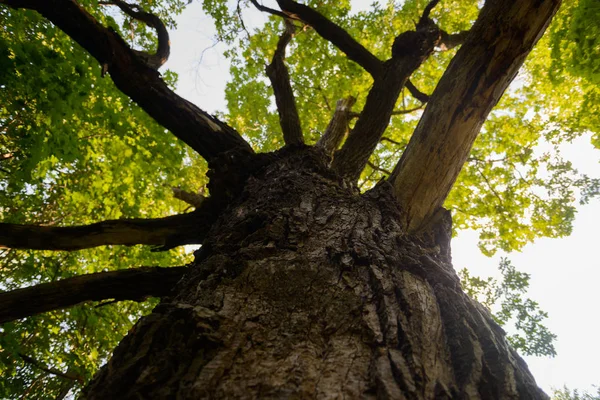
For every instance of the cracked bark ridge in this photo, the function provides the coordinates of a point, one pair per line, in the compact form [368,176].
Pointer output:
[304,289]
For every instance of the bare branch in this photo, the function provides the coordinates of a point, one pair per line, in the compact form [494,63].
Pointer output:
[334,34]
[338,126]
[416,93]
[476,78]
[39,365]
[284,95]
[194,199]
[154,61]
[392,141]
[165,232]
[130,284]
[201,131]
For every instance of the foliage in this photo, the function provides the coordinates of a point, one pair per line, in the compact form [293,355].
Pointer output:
[505,299]
[75,151]
[566,394]
[515,188]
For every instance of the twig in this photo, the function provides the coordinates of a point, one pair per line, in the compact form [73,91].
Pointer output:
[50,370]
[377,168]
[416,93]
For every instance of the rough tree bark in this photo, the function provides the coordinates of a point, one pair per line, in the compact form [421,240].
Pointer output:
[304,289]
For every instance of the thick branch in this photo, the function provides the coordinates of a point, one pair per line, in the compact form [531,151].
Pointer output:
[284,95]
[201,131]
[334,34]
[130,284]
[482,69]
[166,232]
[163,50]
[338,126]
[409,51]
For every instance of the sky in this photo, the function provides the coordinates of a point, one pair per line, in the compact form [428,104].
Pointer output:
[564,272]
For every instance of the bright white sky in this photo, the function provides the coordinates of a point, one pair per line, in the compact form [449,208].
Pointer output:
[564,272]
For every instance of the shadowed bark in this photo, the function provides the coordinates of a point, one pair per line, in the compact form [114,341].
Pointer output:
[130,284]
[201,131]
[476,78]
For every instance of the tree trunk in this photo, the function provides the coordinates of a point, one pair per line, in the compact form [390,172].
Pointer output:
[306,289]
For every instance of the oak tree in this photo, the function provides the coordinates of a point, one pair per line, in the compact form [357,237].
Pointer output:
[324,268]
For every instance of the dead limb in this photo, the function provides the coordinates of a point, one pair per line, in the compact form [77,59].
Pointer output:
[193,199]
[450,41]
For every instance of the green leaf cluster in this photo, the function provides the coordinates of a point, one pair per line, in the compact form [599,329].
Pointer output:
[568,394]
[516,186]
[76,151]
[510,309]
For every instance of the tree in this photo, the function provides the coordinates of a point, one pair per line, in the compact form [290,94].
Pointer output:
[303,285]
